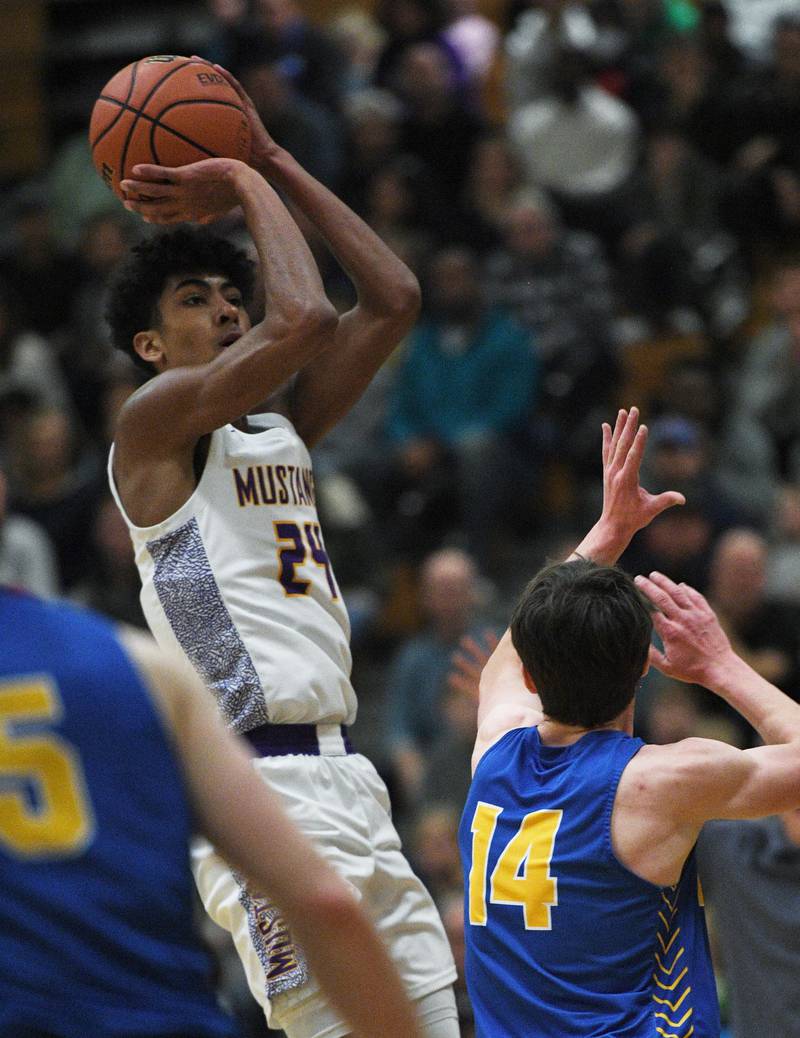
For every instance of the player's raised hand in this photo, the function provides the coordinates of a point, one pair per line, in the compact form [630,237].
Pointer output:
[201,192]
[466,665]
[692,636]
[262,146]
[627,506]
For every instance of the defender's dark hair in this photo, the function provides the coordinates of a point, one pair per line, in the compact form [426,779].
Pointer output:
[136,290]
[582,632]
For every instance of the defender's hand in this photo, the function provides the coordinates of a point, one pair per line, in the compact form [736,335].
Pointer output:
[201,192]
[466,665]
[627,506]
[687,625]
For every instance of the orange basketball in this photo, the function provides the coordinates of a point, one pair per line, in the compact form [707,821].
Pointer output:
[168,110]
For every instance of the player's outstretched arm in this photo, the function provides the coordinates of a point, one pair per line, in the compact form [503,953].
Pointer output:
[247,825]
[505,700]
[720,781]
[387,292]
[627,506]
[298,323]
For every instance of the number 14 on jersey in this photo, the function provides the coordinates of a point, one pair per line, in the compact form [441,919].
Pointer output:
[522,873]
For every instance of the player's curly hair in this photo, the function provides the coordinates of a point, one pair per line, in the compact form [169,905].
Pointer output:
[136,290]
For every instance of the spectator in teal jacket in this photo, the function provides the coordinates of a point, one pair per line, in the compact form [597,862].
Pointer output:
[464,391]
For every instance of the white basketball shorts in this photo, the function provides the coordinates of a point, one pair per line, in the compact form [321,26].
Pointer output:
[342,805]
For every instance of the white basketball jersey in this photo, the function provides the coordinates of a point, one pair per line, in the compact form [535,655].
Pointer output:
[238,579]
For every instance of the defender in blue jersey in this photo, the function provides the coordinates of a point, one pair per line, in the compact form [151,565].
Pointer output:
[107,750]
[583,912]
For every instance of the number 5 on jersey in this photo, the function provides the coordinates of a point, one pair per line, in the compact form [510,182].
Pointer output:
[522,873]
[59,820]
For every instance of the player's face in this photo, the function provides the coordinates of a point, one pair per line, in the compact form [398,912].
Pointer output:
[201,315]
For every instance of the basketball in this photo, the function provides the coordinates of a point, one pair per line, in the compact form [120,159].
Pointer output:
[166,110]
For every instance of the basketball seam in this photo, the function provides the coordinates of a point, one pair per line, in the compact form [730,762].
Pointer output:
[123,106]
[136,118]
[158,125]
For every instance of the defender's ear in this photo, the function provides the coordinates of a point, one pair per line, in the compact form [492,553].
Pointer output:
[148,346]
[529,682]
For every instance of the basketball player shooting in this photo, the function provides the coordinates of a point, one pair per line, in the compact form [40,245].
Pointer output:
[211,470]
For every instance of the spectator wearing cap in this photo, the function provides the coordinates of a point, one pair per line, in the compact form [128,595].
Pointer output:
[679,457]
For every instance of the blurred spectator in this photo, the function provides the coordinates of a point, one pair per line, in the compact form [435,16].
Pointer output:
[297,122]
[104,241]
[534,46]
[396,199]
[416,684]
[27,361]
[761,437]
[579,143]
[783,560]
[464,388]
[716,31]
[690,388]
[372,125]
[493,181]
[27,560]
[677,542]
[448,762]
[473,36]
[110,582]
[407,23]
[763,205]
[438,126]
[76,193]
[678,268]
[41,275]
[679,457]
[226,18]
[669,711]
[557,283]
[55,486]
[434,850]
[311,62]
[765,632]
[750,872]
[752,24]
[361,39]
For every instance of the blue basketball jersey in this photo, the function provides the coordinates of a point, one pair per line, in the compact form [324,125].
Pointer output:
[95,889]
[562,941]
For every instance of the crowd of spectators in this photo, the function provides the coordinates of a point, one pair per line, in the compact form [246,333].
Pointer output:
[601,199]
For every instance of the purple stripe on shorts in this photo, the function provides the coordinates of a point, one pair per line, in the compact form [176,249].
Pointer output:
[278,740]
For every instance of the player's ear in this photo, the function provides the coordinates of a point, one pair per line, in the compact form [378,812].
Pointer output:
[148,346]
[531,687]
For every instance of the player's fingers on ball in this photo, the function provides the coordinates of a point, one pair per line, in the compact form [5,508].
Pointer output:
[162,174]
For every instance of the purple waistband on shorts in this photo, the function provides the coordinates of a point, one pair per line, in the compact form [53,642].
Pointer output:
[278,740]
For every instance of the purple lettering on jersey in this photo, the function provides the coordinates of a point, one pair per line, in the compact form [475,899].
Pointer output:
[245,488]
[280,474]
